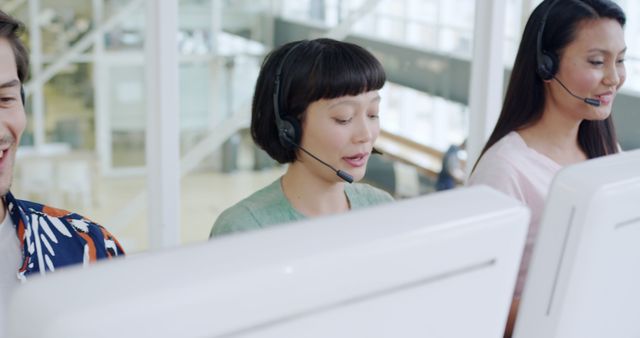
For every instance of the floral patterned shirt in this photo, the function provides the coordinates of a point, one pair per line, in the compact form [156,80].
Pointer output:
[52,238]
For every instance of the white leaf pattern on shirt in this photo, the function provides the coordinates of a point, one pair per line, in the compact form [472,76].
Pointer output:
[80,225]
[110,244]
[47,229]
[44,256]
[35,221]
[59,226]
[30,245]
[85,257]
[49,263]
[47,244]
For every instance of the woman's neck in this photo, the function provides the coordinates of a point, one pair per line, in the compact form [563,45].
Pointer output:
[313,195]
[556,136]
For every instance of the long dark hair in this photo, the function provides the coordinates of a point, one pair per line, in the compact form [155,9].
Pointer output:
[525,98]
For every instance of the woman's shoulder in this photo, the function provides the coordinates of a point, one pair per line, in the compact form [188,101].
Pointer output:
[264,207]
[234,219]
[508,146]
[504,166]
[362,194]
[509,153]
[244,215]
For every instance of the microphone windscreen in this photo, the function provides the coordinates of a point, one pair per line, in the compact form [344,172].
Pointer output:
[593,102]
[345,176]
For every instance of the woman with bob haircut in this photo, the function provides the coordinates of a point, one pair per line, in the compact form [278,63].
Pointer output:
[315,107]
[557,109]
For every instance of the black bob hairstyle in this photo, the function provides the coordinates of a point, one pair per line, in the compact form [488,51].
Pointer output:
[316,69]
[525,97]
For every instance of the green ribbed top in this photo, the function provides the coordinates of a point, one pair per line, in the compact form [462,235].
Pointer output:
[269,206]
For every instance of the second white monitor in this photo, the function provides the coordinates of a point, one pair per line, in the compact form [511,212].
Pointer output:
[584,279]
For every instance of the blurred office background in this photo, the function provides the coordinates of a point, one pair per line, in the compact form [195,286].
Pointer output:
[154,148]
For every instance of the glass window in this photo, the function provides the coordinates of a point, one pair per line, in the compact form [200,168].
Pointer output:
[427,119]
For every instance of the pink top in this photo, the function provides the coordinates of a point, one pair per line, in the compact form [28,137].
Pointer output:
[513,168]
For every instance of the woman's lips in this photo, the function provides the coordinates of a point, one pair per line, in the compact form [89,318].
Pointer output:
[606,98]
[357,160]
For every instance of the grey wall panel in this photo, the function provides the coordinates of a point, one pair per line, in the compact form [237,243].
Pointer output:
[626,117]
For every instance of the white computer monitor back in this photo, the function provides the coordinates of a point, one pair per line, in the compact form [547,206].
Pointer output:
[584,279]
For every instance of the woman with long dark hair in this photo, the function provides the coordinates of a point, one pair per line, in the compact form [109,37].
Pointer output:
[557,109]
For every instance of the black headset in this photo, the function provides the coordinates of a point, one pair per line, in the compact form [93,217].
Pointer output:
[289,130]
[22,95]
[547,62]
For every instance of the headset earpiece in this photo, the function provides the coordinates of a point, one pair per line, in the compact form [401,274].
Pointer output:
[547,62]
[22,95]
[289,132]
[547,65]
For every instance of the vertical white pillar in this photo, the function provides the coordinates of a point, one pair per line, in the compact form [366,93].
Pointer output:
[487,73]
[37,94]
[100,87]
[438,24]
[216,67]
[216,25]
[163,123]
